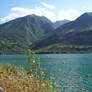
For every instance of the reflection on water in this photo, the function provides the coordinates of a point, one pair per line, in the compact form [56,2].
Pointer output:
[69,70]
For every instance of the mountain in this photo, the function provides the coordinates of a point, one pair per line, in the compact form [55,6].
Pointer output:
[18,34]
[62,22]
[77,32]
[42,35]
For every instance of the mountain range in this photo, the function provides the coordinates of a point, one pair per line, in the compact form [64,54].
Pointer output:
[42,35]
[77,32]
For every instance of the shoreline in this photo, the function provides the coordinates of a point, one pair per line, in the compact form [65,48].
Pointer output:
[49,53]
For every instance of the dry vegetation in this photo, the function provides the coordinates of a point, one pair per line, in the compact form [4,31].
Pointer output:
[13,79]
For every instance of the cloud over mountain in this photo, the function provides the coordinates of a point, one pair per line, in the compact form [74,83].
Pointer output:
[44,9]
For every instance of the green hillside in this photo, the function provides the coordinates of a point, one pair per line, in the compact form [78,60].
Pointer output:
[18,34]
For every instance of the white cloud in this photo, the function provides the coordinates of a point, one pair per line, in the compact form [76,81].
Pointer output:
[25,11]
[68,14]
[48,5]
[16,12]
[49,14]
[20,12]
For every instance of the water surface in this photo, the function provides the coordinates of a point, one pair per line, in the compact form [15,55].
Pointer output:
[76,68]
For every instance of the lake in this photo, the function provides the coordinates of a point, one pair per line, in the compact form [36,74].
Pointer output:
[66,69]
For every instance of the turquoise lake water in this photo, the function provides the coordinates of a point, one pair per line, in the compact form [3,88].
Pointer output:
[76,68]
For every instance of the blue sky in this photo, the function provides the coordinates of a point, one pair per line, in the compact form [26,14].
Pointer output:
[52,9]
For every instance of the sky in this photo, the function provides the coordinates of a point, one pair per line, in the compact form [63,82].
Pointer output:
[52,9]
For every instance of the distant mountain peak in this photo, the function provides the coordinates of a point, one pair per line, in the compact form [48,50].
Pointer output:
[61,22]
[87,14]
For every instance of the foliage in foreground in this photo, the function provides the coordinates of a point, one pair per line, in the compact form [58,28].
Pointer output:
[15,79]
